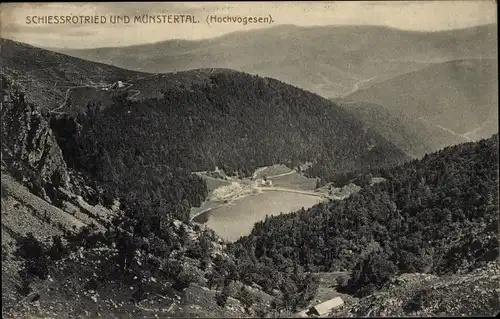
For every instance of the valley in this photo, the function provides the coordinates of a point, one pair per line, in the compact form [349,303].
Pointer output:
[327,171]
[232,209]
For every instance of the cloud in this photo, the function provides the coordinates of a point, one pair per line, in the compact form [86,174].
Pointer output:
[81,33]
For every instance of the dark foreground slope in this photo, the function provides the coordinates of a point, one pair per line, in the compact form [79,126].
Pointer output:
[475,294]
[438,215]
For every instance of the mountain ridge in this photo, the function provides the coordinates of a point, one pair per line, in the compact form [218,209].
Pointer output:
[415,137]
[460,95]
[45,76]
[346,55]
[285,26]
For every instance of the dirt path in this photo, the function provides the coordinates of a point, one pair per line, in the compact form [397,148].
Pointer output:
[289,190]
[447,129]
[258,170]
[284,174]
[137,92]
[356,85]
[66,94]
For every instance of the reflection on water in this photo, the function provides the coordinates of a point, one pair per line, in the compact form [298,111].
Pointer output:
[236,219]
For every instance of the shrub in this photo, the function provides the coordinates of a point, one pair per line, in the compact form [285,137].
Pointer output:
[341,281]
[57,250]
[246,298]
[35,257]
[370,273]
[221,297]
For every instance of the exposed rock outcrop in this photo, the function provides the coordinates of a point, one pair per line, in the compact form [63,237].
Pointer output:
[423,295]
[29,148]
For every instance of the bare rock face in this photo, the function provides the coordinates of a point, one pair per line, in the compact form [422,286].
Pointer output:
[423,295]
[29,148]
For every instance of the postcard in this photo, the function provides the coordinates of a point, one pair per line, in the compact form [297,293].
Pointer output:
[249,159]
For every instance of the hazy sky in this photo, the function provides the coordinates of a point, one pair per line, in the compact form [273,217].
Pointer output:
[408,15]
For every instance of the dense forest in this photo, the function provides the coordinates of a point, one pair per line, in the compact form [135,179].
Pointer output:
[237,122]
[436,215]
[144,152]
[151,237]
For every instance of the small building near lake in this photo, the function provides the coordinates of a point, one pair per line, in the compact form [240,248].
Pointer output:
[322,309]
[326,307]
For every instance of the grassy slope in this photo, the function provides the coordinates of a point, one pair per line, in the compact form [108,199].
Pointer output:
[45,75]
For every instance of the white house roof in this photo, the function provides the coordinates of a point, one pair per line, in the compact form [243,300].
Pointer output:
[325,307]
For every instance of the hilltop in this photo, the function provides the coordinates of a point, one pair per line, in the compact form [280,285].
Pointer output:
[459,97]
[46,76]
[331,61]
[238,123]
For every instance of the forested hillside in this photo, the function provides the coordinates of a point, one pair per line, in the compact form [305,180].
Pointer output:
[144,248]
[436,215]
[237,122]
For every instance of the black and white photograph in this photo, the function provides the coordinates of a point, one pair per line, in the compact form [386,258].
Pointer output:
[279,159]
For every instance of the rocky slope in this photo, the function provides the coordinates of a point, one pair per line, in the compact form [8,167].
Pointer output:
[80,286]
[424,295]
[29,148]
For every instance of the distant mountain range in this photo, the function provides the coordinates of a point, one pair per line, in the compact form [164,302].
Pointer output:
[415,137]
[459,97]
[332,61]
